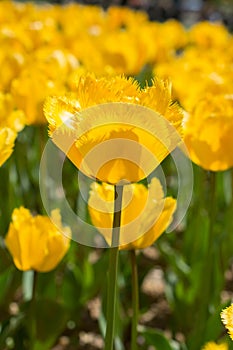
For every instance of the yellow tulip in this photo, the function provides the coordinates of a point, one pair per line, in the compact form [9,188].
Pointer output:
[213,346]
[123,135]
[145,213]
[10,116]
[11,61]
[208,133]
[34,78]
[35,242]
[209,70]
[208,34]
[7,140]
[124,17]
[227,319]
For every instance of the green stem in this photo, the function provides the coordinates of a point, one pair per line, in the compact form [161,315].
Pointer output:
[32,326]
[113,267]
[35,279]
[232,187]
[29,284]
[42,138]
[207,286]
[135,299]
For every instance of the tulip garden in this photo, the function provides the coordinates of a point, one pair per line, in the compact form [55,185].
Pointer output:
[116,180]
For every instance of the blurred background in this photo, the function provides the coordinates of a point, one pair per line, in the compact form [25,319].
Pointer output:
[187,11]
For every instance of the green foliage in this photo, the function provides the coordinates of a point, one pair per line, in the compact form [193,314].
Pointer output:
[155,338]
[62,295]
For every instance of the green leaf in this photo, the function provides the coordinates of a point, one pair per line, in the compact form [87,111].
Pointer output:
[45,321]
[145,76]
[156,338]
[71,292]
[10,280]
[9,327]
[5,261]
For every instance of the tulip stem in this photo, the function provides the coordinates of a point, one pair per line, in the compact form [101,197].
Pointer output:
[207,285]
[35,279]
[135,299]
[113,267]
[232,186]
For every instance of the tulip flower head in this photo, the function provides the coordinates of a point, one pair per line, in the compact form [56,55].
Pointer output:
[214,346]
[7,139]
[208,133]
[112,130]
[10,116]
[145,213]
[207,34]
[36,243]
[227,319]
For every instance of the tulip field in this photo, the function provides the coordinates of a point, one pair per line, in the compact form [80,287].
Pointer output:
[116,180]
